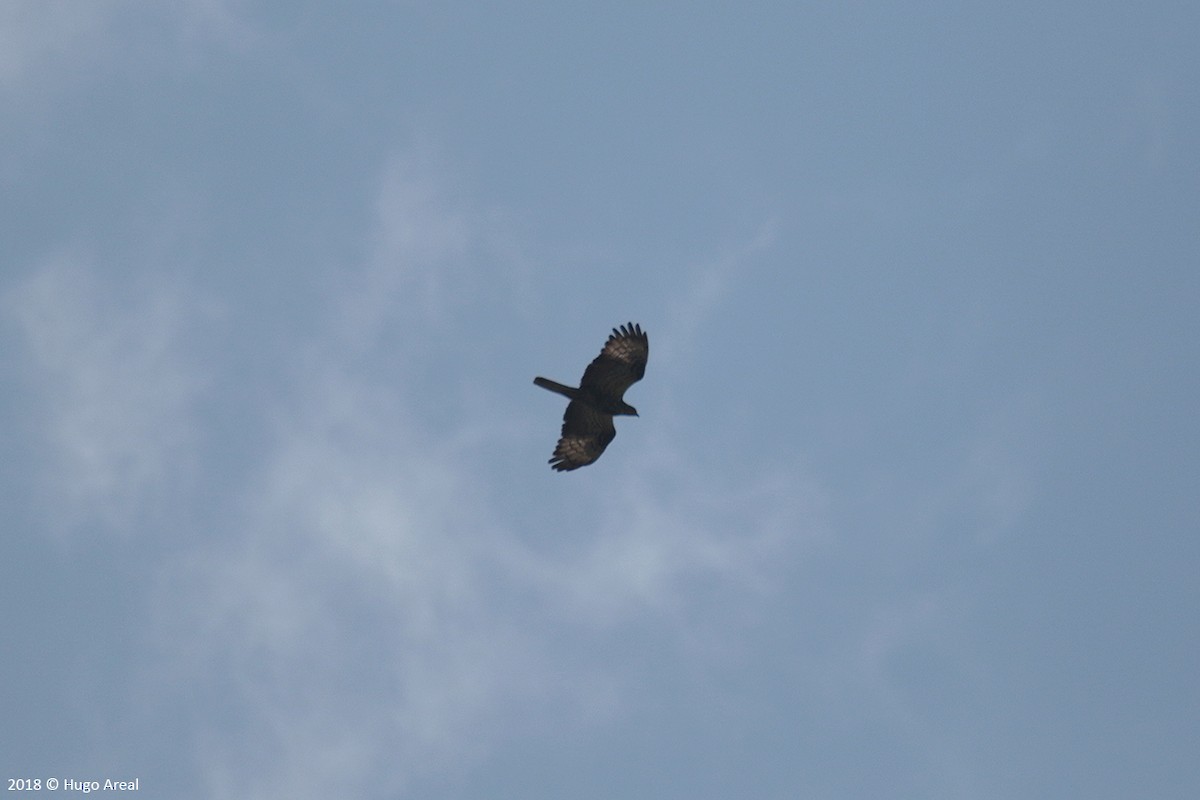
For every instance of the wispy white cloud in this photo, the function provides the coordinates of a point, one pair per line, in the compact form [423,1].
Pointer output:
[655,543]
[43,44]
[349,609]
[418,254]
[33,34]
[710,285]
[113,390]
[375,617]
[376,613]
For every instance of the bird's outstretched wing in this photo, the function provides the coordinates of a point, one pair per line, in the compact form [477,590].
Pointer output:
[585,434]
[620,364]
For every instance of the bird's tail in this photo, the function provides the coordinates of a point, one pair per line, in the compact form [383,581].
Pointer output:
[557,387]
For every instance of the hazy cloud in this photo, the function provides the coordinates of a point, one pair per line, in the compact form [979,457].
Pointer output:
[370,605]
[112,390]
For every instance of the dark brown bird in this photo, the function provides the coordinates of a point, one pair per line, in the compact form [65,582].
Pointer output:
[588,422]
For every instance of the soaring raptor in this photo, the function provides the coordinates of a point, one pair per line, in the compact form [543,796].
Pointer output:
[588,423]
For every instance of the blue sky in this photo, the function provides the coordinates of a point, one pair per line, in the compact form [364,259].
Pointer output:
[911,507]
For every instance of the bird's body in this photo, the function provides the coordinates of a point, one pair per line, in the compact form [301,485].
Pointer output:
[588,422]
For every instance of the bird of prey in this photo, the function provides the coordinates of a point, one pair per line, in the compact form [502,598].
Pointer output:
[588,422]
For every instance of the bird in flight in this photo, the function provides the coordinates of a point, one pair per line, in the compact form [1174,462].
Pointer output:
[588,422]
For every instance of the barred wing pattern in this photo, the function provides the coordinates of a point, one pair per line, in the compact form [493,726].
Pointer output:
[620,364]
[585,434]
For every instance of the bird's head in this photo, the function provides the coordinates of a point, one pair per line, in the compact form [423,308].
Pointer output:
[627,409]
